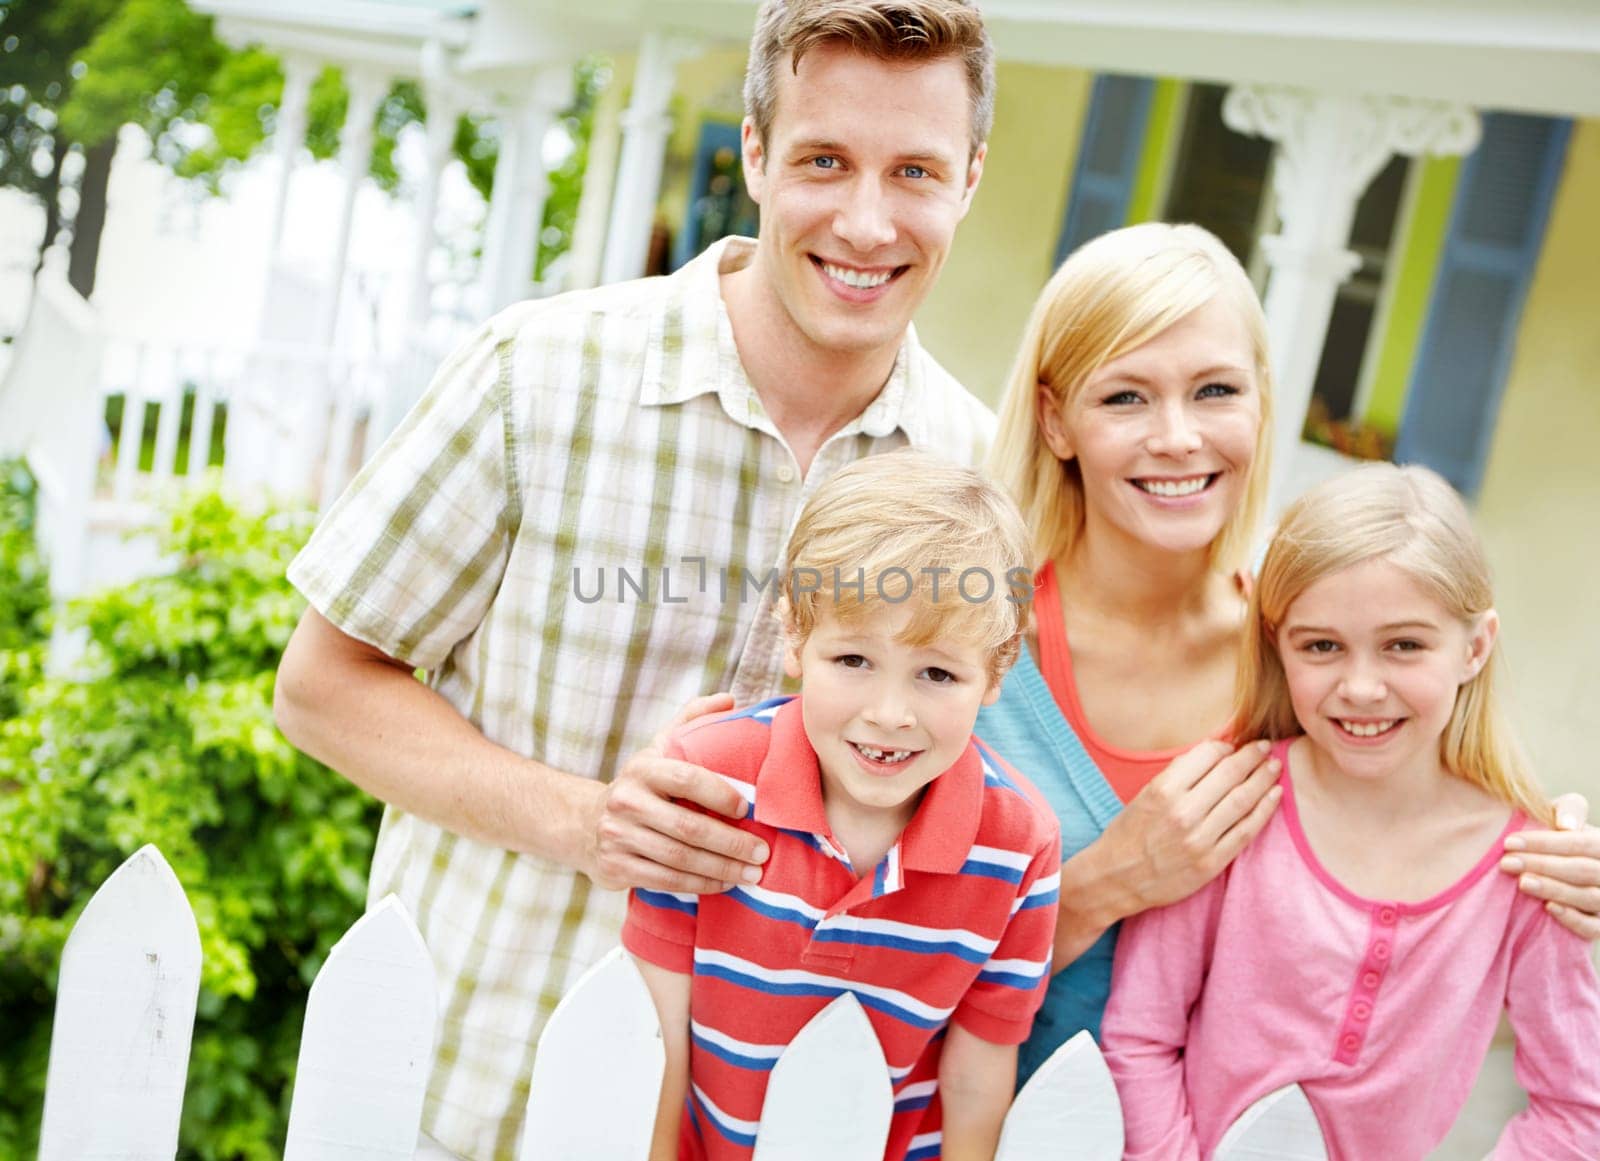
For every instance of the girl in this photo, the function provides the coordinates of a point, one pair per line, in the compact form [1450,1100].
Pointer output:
[1134,435]
[1362,946]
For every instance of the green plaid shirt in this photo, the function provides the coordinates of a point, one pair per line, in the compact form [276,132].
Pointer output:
[607,442]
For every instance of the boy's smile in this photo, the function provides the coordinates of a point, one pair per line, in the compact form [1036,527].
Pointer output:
[885,717]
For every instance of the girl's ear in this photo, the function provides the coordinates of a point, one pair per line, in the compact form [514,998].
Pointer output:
[1480,644]
[1047,411]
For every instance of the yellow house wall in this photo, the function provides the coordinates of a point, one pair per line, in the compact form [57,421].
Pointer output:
[1539,510]
[709,87]
[973,319]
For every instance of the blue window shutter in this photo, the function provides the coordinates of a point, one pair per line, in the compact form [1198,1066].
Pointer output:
[714,135]
[1496,232]
[1108,159]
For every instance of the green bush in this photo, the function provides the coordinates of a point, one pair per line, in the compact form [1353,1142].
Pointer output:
[166,736]
[24,589]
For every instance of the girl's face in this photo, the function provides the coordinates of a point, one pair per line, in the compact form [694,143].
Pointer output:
[1165,435]
[1374,664]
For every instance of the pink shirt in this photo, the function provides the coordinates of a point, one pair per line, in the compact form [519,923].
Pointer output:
[1382,1012]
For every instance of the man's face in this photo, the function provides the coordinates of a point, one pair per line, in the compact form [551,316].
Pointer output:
[861,181]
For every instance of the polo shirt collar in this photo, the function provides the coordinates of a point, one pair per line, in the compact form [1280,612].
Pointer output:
[690,351]
[939,836]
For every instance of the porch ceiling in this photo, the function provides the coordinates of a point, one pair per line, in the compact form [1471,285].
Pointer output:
[1533,55]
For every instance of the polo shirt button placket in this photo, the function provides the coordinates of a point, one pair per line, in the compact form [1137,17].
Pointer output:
[1373,968]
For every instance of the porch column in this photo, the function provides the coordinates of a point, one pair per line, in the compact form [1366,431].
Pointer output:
[366,89]
[647,125]
[516,204]
[290,133]
[1329,150]
[444,109]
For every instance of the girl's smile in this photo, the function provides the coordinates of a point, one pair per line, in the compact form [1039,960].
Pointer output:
[1373,665]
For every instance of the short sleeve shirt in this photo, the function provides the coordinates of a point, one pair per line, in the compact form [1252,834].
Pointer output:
[572,532]
[956,923]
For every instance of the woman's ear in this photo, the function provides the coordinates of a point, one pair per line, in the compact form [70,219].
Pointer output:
[1052,427]
[1485,630]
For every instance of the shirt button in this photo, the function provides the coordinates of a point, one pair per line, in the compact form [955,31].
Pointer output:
[1369,979]
[1380,951]
[1362,1010]
[1386,916]
[1349,1042]
[785,474]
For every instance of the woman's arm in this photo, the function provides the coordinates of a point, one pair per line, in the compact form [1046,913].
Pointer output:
[977,1080]
[1561,866]
[1177,835]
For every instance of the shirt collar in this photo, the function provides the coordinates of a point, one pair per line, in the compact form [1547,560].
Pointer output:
[690,351]
[940,834]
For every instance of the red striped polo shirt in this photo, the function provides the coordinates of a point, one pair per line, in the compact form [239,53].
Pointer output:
[956,923]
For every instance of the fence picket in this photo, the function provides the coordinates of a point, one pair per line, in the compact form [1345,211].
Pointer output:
[597,1074]
[1068,1110]
[130,976]
[367,1046]
[1278,1127]
[119,1048]
[834,1064]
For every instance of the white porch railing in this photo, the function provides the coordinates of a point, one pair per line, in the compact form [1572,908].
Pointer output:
[299,421]
[130,975]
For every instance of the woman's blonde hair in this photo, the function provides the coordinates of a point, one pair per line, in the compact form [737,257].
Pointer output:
[1111,296]
[1410,518]
[908,527]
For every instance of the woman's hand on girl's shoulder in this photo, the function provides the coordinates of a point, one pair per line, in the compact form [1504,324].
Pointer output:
[1561,866]
[1191,821]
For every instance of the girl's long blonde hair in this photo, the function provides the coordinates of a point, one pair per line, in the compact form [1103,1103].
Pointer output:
[1412,519]
[1111,296]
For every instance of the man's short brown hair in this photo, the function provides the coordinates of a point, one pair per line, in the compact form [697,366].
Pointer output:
[891,30]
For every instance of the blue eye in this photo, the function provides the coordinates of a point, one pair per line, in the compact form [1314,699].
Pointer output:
[825,162]
[915,171]
[1121,399]
[1217,391]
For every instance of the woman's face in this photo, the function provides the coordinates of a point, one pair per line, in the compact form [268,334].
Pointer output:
[1164,436]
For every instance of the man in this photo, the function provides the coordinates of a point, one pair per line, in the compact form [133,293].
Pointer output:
[668,430]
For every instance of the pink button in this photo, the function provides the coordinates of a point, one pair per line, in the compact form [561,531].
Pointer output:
[1386,916]
[1361,1010]
[1369,979]
[1380,951]
[1350,1042]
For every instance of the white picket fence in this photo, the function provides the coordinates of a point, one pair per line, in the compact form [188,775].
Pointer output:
[125,1005]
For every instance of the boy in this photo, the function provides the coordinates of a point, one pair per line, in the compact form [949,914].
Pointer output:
[908,864]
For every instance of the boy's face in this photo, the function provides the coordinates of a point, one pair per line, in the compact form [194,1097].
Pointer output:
[863,177]
[885,718]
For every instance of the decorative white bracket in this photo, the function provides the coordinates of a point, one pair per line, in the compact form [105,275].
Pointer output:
[1329,150]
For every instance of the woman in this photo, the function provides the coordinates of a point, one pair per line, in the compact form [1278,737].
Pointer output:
[1135,435]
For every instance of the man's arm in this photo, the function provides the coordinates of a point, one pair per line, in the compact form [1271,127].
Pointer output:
[1561,866]
[976,1082]
[363,713]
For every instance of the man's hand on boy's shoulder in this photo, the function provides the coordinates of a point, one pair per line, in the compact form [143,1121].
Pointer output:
[643,834]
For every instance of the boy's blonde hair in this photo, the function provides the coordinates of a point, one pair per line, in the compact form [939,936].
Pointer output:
[1410,518]
[882,525]
[891,30]
[1111,296]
